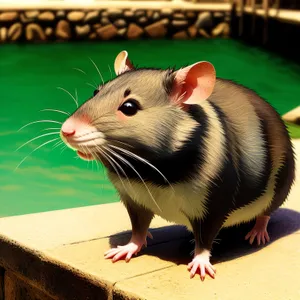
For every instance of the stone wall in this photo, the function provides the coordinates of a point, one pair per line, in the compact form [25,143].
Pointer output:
[109,24]
[15,288]
[1,283]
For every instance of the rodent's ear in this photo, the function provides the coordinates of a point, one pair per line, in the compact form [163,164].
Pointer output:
[194,83]
[122,63]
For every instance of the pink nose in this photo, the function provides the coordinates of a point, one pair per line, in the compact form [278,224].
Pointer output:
[68,133]
[68,128]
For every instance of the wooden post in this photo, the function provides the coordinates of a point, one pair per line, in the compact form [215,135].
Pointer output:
[241,22]
[266,19]
[253,11]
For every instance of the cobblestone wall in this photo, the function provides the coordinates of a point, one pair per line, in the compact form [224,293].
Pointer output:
[109,24]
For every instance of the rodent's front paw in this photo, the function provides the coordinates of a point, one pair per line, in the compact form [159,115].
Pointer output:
[123,251]
[201,264]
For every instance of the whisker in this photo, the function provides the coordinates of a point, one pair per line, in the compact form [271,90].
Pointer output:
[144,161]
[57,144]
[60,88]
[93,165]
[85,151]
[76,96]
[63,149]
[44,144]
[56,110]
[97,70]
[51,128]
[79,70]
[116,163]
[40,121]
[138,174]
[109,159]
[111,76]
[35,138]
[116,141]
[98,165]
[93,86]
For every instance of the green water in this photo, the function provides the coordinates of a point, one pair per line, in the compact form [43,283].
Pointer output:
[50,179]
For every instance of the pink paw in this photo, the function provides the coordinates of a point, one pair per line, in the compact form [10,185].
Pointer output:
[201,264]
[261,236]
[127,251]
[259,231]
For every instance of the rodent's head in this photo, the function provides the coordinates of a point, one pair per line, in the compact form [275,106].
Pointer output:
[138,111]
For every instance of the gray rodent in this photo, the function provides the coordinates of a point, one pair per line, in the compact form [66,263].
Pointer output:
[197,150]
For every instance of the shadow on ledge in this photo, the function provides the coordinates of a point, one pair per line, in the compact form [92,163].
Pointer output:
[174,243]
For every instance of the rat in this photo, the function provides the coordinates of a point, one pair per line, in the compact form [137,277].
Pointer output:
[192,148]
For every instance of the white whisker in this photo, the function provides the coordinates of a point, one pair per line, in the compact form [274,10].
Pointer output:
[138,174]
[56,110]
[110,159]
[63,149]
[35,138]
[76,96]
[44,144]
[60,88]
[57,144]
[118,165]
[98,71]
[79,70]
[123,143]
[111,76]
[40,121]
[51,128]
[97,164]
[129,153]
[93,86]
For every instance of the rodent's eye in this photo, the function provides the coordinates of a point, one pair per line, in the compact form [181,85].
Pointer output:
[96,92]
[130,107]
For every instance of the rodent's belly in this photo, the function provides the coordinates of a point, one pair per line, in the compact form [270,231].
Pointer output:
[172,204]
[163,203]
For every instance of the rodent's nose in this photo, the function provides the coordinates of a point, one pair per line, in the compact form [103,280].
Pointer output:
[67,133]
[68,128]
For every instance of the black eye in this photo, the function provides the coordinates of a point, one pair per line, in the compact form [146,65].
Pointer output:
[96,92]
[129,108]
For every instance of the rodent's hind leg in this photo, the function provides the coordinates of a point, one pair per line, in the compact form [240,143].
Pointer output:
[284,180]
[140,218]
[259,231]
[205,232]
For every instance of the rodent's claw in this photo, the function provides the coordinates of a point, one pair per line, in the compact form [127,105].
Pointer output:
[201,264]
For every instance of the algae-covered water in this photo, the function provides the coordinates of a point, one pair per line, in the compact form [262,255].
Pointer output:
[51,179]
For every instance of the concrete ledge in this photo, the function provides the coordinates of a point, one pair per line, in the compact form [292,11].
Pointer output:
[94,4]
[59,255]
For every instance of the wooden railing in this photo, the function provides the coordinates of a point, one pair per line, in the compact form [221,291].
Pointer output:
[252,6]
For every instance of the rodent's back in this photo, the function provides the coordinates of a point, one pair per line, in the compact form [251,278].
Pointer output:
[251,118]
[259,146]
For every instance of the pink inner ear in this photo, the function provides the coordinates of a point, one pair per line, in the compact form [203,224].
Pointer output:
[195,83]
